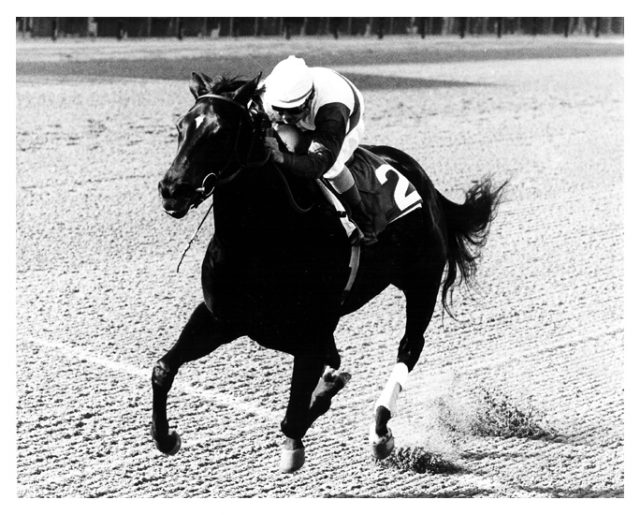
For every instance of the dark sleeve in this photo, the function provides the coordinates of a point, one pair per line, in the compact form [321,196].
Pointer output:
[326,142]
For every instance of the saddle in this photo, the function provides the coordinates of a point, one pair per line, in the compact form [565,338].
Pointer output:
[386,193]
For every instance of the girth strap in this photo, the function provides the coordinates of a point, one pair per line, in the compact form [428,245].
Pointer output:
[354,265]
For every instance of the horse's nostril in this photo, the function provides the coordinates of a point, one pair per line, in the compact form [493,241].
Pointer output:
[163,189]
[168,189]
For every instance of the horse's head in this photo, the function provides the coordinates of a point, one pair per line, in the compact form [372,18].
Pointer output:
[215,139]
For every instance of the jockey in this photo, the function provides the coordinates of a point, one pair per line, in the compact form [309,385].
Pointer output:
[318,114]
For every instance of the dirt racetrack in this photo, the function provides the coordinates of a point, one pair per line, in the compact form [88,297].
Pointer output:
[522,397]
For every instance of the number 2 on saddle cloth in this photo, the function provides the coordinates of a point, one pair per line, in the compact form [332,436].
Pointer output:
[386,193]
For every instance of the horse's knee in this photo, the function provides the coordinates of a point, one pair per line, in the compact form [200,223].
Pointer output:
[409,350]
[162,376]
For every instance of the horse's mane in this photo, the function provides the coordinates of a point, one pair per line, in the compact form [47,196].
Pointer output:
[224,84]
[227,84]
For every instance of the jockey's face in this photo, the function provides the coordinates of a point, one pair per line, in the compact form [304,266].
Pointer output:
[293,115]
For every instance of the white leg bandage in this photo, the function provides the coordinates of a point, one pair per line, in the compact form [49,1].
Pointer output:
[395,384]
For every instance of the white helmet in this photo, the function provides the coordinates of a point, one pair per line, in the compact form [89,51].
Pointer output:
[289,84]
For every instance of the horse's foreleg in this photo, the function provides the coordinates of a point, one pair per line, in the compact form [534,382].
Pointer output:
[201,335]
[306,372]
[421,293]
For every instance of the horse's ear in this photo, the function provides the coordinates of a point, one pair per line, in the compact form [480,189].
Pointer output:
[200,84]
[244,93]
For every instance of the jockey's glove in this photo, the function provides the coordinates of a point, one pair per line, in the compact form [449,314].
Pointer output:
[272,148]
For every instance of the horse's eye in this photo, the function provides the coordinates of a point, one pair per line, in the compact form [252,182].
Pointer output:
[182,129]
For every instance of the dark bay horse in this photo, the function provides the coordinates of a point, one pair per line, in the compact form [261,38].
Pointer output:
[276,267]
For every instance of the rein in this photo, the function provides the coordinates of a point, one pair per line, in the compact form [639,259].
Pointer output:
[292,201]
[184,252]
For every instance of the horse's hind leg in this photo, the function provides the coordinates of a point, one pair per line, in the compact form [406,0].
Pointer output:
[332,359]
[329,384]
[201,335]
[310,397]
[421,291]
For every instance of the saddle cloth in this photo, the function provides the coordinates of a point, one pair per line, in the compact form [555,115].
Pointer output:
[386,193]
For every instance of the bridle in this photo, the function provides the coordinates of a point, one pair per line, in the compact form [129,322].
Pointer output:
[219,177]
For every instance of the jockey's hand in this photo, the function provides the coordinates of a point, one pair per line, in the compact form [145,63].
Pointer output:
[271,146]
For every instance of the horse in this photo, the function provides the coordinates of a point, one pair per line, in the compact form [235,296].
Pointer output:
[276,267]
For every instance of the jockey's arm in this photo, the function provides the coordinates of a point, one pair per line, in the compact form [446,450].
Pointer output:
[326,142]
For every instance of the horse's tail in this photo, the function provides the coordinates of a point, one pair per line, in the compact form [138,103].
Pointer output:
[466,234]
[460,230]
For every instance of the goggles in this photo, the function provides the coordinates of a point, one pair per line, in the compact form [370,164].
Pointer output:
[292,111]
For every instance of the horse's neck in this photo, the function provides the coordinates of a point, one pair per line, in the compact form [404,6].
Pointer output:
[251,206]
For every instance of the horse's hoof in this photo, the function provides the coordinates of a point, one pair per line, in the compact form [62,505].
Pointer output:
[381,446]
[169,445]
[291,460]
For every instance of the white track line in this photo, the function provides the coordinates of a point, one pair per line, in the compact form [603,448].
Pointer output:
[217,398]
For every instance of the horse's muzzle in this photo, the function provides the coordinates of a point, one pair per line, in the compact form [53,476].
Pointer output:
[176,198]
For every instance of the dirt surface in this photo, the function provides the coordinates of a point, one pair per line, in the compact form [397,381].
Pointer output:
[247,56]
[522,397]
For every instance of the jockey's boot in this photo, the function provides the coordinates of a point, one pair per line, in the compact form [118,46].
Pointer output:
[364,223]
[360,216]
